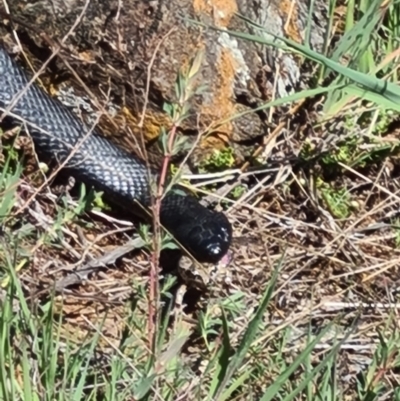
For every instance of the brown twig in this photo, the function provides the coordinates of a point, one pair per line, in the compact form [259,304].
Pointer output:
[82,273]
[155,203]
[177,115]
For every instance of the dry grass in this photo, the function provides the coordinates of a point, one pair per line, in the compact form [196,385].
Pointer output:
[324,212]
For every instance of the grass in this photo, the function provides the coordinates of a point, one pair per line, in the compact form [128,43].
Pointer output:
[311,311]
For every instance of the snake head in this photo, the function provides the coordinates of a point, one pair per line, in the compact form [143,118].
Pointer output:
[204,233]
[209,239]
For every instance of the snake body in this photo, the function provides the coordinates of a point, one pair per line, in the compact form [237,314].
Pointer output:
[91,158]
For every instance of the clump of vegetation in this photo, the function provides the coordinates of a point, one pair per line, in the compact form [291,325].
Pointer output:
[295,323]
[338,201]
[219,160]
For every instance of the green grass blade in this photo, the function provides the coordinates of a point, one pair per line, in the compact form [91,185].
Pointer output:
[387,89]
[357,43]
[6,317]
[273,390]
[27,315]
[235,385]
[26,374]
[309,93]
[251,332]
[327,36]
[331,355]
[389,92]
[8,185]
[221,358]
[358,38]
[84,362]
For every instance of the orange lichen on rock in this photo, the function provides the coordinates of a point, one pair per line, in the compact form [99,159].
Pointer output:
[222,11]
[124,126]
[210,145]
[289,12]
[223,106]
[152,123]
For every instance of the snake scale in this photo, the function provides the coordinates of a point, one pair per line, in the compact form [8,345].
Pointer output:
[89,157]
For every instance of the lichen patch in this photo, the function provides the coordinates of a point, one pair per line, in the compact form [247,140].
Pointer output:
[221,11]
[289,12]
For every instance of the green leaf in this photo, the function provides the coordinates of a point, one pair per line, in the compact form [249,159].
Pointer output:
[144,386]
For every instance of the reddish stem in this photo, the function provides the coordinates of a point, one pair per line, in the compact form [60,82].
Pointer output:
[153,291]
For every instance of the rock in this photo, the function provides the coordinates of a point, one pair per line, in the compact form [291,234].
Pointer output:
[114,45]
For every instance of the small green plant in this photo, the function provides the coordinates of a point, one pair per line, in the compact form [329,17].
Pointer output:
[238,191]
[307,151]
[386,358]
[383,120]
[218,160]
[185,88]
[338,201]
[345,152]
[353,152]
[166,240]
[210,320]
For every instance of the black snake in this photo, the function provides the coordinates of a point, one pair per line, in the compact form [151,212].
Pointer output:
[93,159]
